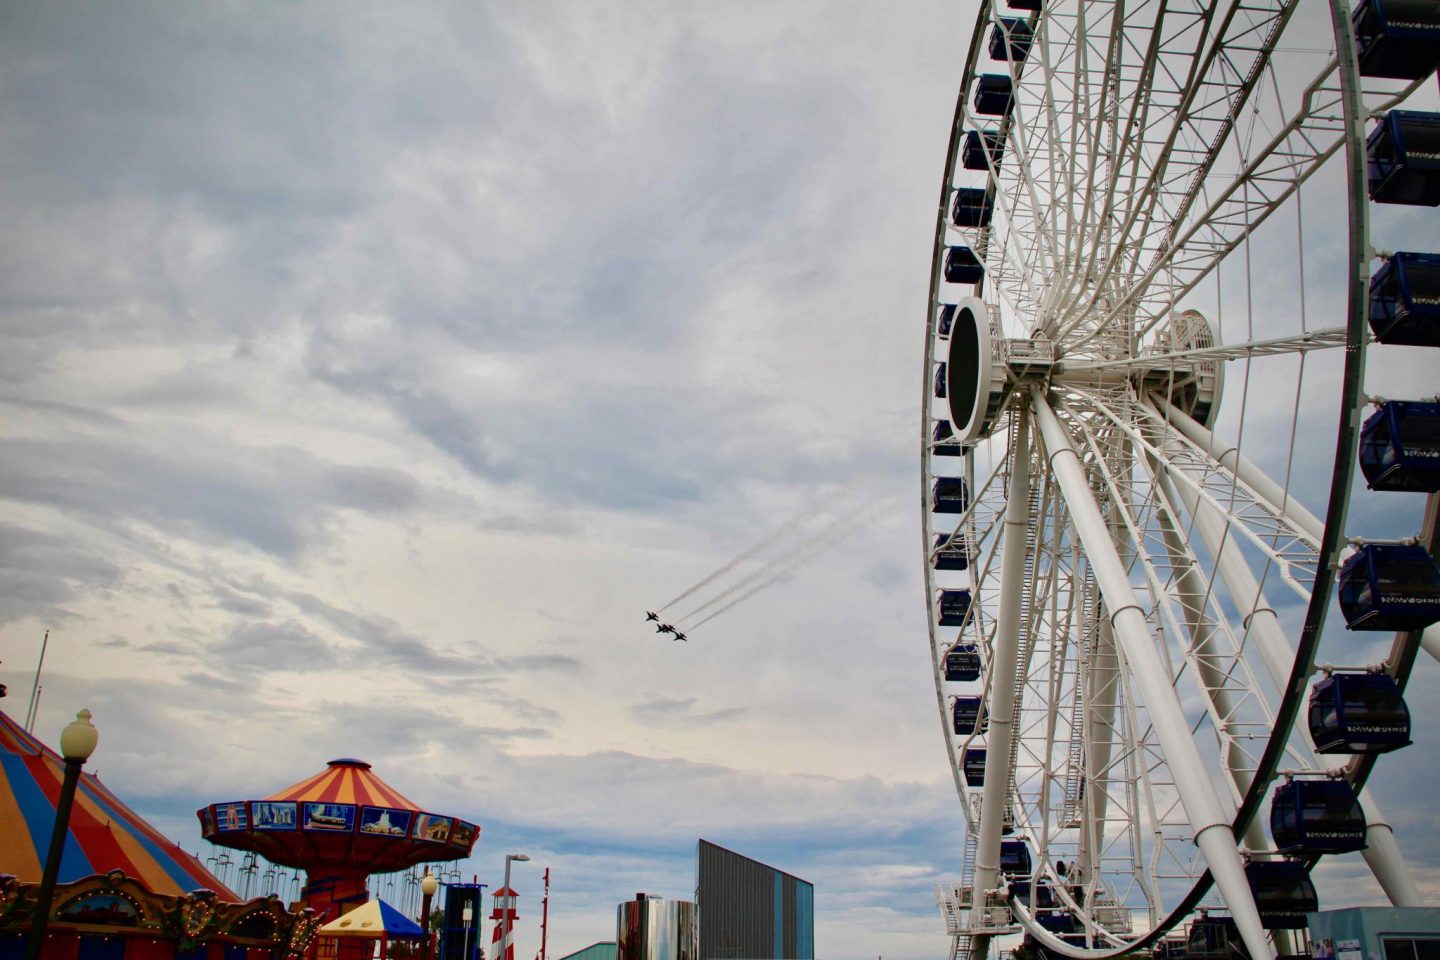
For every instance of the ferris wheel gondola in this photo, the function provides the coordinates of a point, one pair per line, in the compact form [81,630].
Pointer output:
[1121,432]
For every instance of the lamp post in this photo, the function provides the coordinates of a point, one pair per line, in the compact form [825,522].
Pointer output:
[509,912]
[428,886]
[77,742]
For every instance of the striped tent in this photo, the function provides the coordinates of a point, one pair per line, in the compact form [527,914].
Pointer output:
[104,834]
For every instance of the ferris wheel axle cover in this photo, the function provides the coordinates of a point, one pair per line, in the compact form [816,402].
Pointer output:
[976,382]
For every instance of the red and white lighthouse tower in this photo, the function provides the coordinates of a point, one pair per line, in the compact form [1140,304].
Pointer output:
[502,943]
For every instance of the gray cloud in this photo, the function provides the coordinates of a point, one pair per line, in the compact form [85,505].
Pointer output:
[41,572]
[682,712]
[271,499]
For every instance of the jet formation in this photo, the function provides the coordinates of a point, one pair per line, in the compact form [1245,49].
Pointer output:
[664,627]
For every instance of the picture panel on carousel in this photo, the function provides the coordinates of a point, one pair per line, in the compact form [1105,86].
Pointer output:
[433,828]
[272,815]
[231,817]
[463,835]
[329,817]
[207,821]
[968,369]
[385,821]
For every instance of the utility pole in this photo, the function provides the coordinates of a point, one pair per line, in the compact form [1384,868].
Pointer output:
[544,913]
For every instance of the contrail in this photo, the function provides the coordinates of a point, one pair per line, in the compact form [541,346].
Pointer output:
[746,555]
[740,559]
[783,564]
[803,557]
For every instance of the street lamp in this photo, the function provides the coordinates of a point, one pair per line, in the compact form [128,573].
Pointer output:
[77,742]
[428,886]
[508,911]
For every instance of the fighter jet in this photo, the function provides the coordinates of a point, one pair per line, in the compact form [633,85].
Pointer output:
[652,615]
[664,628]
[679,635]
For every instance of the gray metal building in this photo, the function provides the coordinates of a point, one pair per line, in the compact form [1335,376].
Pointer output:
[750,910]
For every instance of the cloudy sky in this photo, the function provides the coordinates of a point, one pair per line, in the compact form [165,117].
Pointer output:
[369,370]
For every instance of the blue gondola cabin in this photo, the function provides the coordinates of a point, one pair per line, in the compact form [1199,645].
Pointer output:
[972,765]
[962,663]
[942,441]
[1405,300]
[1400,447]
[1399,39]
[1015,858]
[945,321]
[962,266]
[980,145]
[1010,39]
[993,94]
[951,551]
[1316,816]
[1390,587]
[954,606]
[1358,713]
[967,716]
[1403,157]
[950,495]
[1283,893]
[973,207]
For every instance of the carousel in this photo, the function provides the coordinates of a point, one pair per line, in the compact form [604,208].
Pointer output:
[339,826]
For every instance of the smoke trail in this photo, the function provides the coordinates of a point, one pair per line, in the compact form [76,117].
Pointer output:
[736,561]
[776,568]
[799,558]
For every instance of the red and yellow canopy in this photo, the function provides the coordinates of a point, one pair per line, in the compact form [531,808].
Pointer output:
[345,781]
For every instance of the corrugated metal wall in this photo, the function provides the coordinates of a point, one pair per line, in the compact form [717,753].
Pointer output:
[751,911]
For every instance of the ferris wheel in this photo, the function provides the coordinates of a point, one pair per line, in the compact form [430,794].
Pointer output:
[1144,428]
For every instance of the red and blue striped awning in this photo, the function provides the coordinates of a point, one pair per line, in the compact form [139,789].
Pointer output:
[104,835]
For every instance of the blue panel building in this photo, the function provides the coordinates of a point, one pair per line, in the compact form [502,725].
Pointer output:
[749,910]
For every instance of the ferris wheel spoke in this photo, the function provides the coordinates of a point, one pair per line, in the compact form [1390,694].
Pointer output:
[1211,829]
[1252,516]
[1308,137]
[1220,83]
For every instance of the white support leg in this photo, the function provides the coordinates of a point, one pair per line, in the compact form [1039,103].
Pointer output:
[1382,853]
[1228,456]
[1430,641]
[1203,808]
[1005,654]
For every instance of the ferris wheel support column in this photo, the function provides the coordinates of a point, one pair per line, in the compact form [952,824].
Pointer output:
[1101,699]
[1003,665]
[1382,854]
[1430,641]
[1202,807]
[1193,592]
